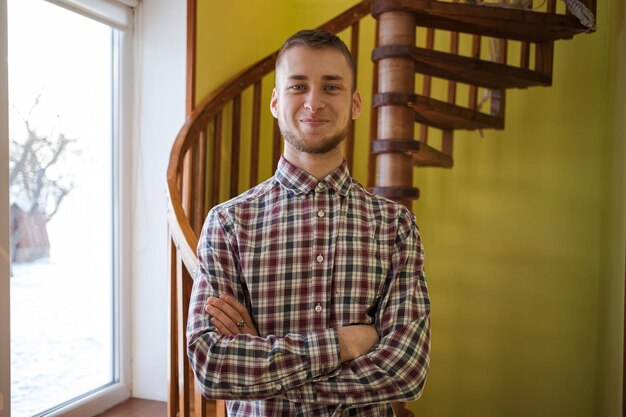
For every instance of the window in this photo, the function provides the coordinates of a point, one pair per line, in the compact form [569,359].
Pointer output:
[65,70]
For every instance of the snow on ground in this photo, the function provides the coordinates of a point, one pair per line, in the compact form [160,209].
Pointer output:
[60,334]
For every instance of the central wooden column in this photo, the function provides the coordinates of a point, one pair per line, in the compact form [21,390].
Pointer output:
[394,167]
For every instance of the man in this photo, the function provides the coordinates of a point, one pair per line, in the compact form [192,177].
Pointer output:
[310,298]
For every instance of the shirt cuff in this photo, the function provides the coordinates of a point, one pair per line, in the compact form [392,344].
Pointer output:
[322,353]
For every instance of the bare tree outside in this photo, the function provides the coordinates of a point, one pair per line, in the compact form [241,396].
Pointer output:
[39,181]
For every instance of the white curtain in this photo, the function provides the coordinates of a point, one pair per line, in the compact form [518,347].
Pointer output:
[115,13]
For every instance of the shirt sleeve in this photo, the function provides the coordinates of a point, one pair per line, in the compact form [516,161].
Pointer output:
[245,366]
[396,368]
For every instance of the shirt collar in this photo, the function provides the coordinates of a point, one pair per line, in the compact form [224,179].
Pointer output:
[301,182]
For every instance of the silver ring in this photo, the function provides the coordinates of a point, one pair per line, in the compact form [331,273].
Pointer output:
[241,324]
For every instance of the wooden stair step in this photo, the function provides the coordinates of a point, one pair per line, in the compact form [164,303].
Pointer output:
[464,69]
[440,114]
[422,154]
[396,192]
[448,116]
[487,20]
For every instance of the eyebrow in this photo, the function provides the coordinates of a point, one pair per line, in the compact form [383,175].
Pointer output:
[330,77]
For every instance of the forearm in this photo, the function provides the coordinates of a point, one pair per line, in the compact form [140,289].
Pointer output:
[394,371]
[252,367]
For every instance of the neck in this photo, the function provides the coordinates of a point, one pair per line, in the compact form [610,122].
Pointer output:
[318,165]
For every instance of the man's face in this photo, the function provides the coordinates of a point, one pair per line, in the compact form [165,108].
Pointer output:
[313,99]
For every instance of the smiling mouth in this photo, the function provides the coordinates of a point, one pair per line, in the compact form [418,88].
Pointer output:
[313,121]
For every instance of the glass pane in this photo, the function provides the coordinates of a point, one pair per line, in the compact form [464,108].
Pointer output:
[60,96]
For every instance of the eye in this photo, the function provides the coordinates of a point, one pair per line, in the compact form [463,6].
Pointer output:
[297,87]
[332,88]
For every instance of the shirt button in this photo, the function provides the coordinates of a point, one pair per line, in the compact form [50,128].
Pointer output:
[278,387]
[349,400]
[320,213]
[318,308]
[320,258]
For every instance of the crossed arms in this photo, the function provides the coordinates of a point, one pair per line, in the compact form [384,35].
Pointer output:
[359,364]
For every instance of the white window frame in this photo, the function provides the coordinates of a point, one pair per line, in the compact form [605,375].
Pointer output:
[116,13]
[5,341]
[123,131]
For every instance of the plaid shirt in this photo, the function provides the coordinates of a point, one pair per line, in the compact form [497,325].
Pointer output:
[306,257]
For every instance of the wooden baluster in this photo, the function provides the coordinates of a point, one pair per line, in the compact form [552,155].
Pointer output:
[447,139]
[551,6]
[498,96]
[217,153]
[199,175]
[172,382]
[256,133]
[236,143]
[183,293]
[371,160]
[448,135]
[200,406]
[473,90]
[454,49]
[276,150]
[354,49]
[183,367]
[220,408]
[524,60]
[427,83]
[544,55]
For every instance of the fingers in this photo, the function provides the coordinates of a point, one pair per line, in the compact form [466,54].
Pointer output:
[224,314]
[242,311]
[232,316]
[220,327]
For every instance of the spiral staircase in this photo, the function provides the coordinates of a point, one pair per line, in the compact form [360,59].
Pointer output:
[423,90]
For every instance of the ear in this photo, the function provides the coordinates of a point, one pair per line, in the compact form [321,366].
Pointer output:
[274,104]
[356,105]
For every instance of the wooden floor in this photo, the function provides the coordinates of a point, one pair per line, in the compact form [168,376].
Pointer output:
[135,407]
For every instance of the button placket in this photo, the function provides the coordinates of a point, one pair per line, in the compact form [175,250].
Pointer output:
[321,255]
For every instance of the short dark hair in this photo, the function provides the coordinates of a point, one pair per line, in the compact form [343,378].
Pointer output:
[318,39]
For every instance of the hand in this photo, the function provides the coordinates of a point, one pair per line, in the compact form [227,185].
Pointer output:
[356,340]
[226,312]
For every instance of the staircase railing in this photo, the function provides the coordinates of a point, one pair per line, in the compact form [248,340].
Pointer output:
[508,48]
[203,170]
[505,47]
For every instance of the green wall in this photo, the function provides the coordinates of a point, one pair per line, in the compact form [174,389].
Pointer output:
[609,365]
[527,295]
[525,235]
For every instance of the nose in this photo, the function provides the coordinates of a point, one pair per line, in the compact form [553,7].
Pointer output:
[313,102]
